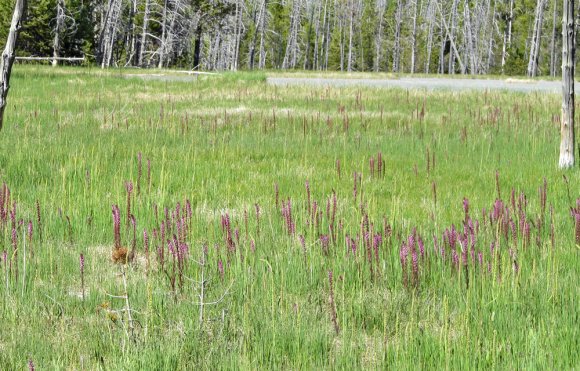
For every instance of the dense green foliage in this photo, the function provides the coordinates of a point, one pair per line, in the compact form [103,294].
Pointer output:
[72,141]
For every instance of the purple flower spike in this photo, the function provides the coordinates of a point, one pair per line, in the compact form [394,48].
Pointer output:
[82,263]
[221,269]
[29,230]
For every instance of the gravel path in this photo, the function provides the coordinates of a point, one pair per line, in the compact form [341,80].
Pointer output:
[434,83]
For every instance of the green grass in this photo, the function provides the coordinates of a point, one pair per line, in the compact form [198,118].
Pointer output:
[71,141]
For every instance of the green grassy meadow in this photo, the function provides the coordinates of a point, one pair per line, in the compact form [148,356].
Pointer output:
[262,193]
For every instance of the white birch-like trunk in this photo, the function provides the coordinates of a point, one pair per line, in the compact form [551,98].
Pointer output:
[431,24]
[536,39]
[553,41]
[507,38]
[397,44]
[8,55]
[143,45]
[414,37]
[567,140]
[58,29]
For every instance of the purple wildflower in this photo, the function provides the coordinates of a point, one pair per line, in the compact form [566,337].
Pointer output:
[221,269]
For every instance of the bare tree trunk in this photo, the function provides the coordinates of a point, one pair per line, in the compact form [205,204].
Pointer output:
[397,45]
[132,36]
[341,44]
[252,47]
[143,45]
[553,41]
[451,69]
[491,39]
[536,39]
[239,31]
[8,55]
[414,37]
[350,32]
[315,57]
[325,23]
[443,37]
[307,61]
[468,36]
[292,43]
[507,37]
[109,32]
[381,4]
[262,52]
[163,33]
[567,142]
[58,29]
[431,24]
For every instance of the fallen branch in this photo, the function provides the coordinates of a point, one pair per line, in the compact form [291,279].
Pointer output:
[69,59]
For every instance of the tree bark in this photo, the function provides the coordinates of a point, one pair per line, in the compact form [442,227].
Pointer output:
[350,32]
[553,41]
[108,33]
[536,39]
[567,140]
[507,39]
[59,27]
[8,55]
[381,5]
[397,44]
[414,37]
[451,69]
[431,22]
[143,45]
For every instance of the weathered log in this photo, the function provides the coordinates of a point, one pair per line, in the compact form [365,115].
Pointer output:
[8,55]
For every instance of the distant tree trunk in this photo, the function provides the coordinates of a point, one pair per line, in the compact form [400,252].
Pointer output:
[553,41]
[315,57]
[468,36]
[163,34]
[58,28]
[350,32]
[292,43]
[567,141]
[414,37]
[507,37]
[262,51]
[252,48]
[431,22]
[307,61]
[491,39]
[451,69]
[397,45]
[131,39]
[443,38]
[143,45]
[239,30]
[108,33]
[536,39]
[381,5]
[8,55]
[341,43]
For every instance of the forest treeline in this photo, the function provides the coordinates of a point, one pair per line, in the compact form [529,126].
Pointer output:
[513,37]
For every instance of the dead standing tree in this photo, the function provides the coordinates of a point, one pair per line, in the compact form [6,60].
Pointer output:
[536,39]
[567,141]
[8,55]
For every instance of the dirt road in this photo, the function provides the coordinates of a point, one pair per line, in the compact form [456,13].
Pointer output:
[428,83]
